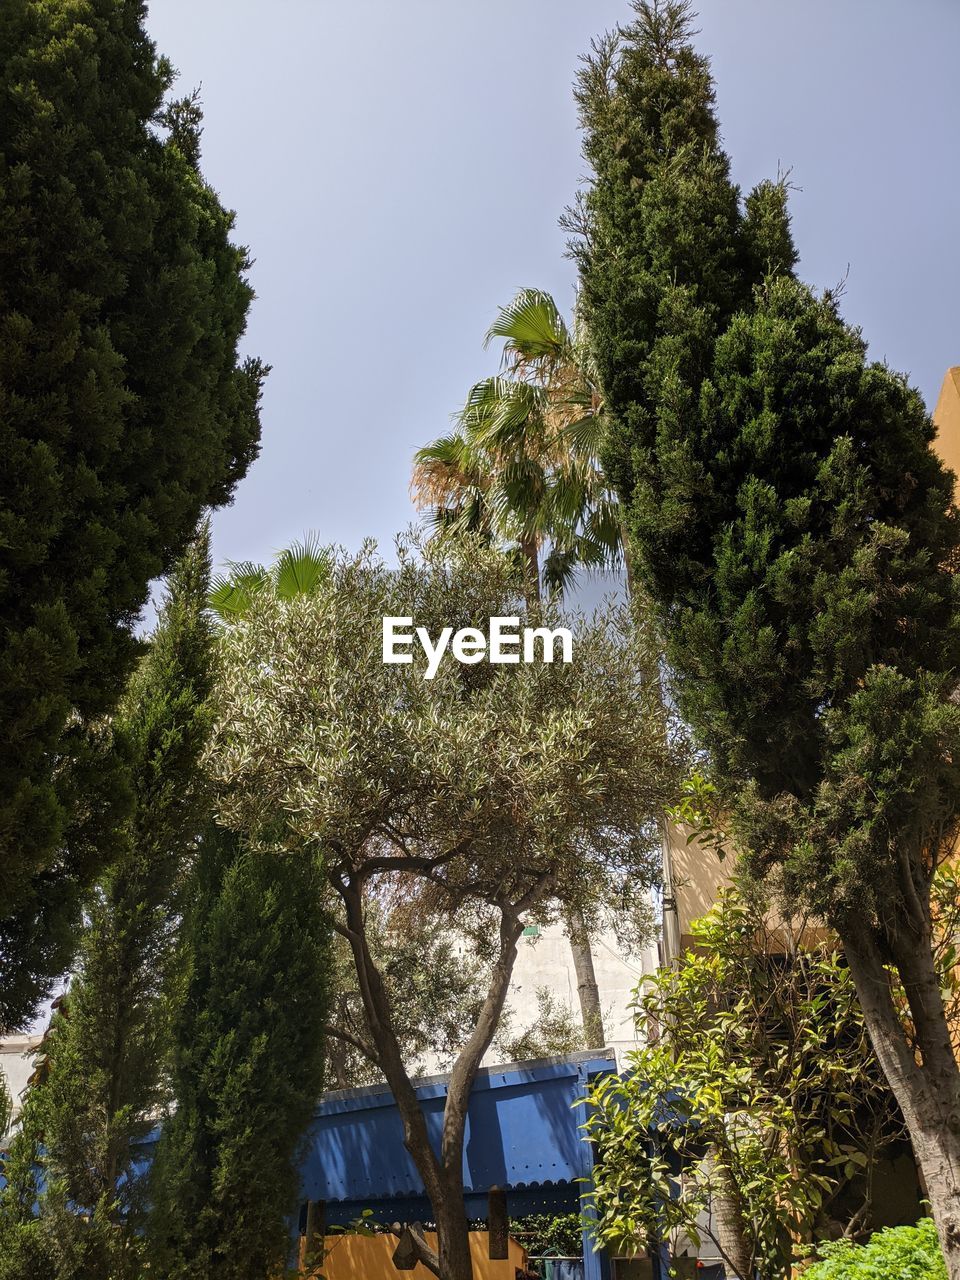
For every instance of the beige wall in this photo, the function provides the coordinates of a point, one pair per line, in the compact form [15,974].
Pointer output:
[16,1064]
[946,417]
[698,876]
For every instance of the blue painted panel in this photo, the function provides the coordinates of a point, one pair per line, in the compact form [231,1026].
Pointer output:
[522,1131]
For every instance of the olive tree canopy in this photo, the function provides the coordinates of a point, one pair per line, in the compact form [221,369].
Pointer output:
[485,793]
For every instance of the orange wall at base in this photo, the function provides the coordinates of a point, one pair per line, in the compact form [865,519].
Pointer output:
[350,1257]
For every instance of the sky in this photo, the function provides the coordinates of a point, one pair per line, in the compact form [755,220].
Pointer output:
[398,171]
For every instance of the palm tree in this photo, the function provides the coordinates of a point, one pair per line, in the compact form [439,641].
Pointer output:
[299,570]
[522,467]
[522,463]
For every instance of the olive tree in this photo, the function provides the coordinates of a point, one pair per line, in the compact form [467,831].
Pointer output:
[489,792]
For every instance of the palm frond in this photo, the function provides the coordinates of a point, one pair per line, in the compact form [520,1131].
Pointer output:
[301,568]
[560,566]
[503,417]
[231,594]
[584,434]
[531,326]
[445,470]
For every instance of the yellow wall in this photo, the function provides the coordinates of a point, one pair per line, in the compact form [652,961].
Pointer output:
[698,876]
[946,417]
[351,1257]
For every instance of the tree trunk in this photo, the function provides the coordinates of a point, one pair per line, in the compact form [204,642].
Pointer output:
[925,1079]
[453,1231]
[531,567]
[731,1230]
[587,989]
[670,920]
[442,1173]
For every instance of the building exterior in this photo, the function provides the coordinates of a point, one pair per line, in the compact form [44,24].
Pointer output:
[523,1143]
[946,418]
[16,1066]
[545,963]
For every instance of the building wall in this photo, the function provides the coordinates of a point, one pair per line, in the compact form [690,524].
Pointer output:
[546,962]
[348,1257]
[946,418]
[16,1064]
[698,876]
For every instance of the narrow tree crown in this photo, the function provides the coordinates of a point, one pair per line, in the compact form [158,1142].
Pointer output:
[789,518]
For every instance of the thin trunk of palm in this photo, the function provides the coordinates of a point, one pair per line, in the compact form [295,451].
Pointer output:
[530,551]
[587,989]
[588,992]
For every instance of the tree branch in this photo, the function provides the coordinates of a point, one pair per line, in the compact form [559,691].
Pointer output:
[373,866]
[468,1060]
[337,1033]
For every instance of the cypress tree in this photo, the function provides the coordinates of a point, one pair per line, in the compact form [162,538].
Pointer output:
[247,1064]
[798,538]
[25,1246]
[124,411]
[102,1081]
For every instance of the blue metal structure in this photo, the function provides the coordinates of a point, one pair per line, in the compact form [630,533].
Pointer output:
[523,1135]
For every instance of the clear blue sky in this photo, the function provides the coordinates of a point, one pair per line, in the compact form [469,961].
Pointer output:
[398,170]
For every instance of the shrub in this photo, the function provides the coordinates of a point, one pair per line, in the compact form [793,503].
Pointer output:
[897,1253]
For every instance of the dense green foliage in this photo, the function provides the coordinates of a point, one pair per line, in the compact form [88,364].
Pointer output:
[124,411]
[247,1063]
[899,1253]
[763,1088]
[25,1245]
[101,1081]
[797,537]
[666,249]
[790,520]
[549,1235]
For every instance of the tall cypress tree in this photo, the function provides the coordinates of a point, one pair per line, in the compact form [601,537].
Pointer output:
[124,411]
[25,1246]
[101,1085]
[798,538]
[247,1064]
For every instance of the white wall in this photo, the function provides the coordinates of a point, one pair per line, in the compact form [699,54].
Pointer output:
[546,962]
[16,1063]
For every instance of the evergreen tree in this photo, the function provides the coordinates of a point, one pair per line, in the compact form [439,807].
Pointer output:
[798,538]
[100,1090]
[25,1246]
[124,411]
[247,1064]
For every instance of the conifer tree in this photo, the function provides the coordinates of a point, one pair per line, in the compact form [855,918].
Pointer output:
[101,1085]
[25,1246]
[247,1064]
[798,539]
[124,412]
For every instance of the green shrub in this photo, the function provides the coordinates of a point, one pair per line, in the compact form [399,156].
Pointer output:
[898,1253]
